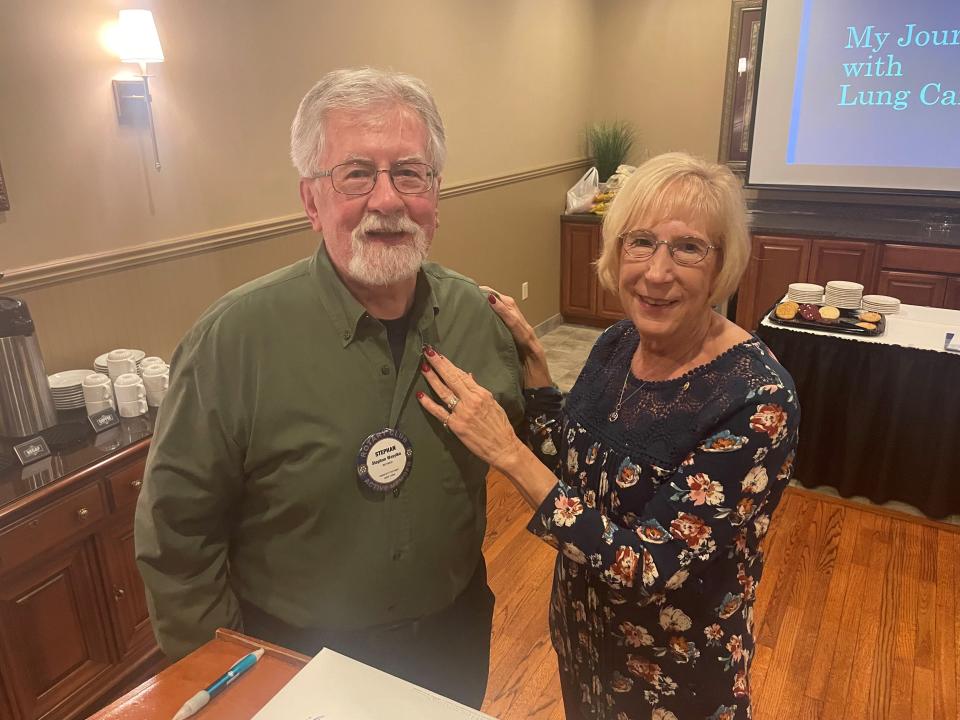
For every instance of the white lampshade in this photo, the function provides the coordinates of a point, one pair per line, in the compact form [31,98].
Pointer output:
[138,37]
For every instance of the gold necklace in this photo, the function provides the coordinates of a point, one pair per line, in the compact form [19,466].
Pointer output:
[612,417]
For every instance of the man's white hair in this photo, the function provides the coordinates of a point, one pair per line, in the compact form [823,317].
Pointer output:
[356,89]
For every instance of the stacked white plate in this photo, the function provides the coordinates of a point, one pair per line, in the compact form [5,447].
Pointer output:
[67,388]
[805,293]
[883,304]
[100,364]
[843,294]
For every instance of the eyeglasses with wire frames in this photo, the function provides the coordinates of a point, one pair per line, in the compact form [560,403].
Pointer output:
[687,250]
[359,178]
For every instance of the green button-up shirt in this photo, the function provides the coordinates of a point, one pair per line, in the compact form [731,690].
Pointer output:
[251,488]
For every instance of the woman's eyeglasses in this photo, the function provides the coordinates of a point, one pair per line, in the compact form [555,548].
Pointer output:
[642,245]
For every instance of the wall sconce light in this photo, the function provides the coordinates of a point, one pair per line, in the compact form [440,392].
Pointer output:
[139,43]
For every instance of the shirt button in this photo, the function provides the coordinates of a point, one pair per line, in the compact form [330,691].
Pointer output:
[346,335]
[385,370]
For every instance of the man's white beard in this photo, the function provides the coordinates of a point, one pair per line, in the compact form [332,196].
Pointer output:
[378,263]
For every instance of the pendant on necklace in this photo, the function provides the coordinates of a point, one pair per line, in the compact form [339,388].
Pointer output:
[612,417]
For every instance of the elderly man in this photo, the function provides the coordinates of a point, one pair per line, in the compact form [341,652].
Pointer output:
[295,488]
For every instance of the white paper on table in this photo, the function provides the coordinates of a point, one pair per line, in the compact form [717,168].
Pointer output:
[334,687]
[954,342]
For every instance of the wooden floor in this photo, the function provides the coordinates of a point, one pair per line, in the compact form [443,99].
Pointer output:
[857,614]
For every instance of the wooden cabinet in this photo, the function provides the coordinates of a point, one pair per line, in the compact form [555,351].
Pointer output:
[125,591]
[53,642]
[842,260]
[582,298]
[774,263]
[917,275]
[952,296]
[913,288]
[74,627]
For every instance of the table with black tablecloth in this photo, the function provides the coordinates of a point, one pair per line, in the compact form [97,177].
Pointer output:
[880,416]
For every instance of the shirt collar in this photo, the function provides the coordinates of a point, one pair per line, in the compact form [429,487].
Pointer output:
[346,311]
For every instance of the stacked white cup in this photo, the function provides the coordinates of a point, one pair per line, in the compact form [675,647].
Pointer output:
[156,379]
[120,361]
[131,394]
[148,361]
[98,393]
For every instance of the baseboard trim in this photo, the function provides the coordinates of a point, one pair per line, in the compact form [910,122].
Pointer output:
[548,325]
[74,268]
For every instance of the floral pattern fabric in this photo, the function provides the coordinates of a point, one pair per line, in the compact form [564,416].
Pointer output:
[658,518]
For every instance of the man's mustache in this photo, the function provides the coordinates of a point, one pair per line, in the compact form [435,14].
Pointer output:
[387,223]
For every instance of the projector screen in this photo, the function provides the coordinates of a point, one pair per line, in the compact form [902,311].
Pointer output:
[858,94]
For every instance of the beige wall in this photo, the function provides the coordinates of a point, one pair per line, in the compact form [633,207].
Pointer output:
[79,183]
[516,81]
[663,70]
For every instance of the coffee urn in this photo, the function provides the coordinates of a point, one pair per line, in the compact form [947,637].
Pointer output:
[26,403]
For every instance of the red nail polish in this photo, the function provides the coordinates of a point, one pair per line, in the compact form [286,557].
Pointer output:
[492,298]
[425,367]
[430,351]
[419,395]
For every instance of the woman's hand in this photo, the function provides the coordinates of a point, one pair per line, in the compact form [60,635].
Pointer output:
[536,373]
[469,411]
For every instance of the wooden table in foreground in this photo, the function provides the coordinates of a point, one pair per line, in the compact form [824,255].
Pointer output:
[161,696]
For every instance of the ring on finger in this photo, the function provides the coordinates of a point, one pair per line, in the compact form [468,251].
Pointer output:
[452,403]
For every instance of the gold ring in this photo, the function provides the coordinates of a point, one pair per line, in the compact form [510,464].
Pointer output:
[453,403]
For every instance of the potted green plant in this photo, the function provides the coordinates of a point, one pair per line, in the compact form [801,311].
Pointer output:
[608,144]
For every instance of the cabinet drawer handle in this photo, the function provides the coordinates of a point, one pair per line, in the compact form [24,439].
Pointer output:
[135,484]
[82,513]
[119,593]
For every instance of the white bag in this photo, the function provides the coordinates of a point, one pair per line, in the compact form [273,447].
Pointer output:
[580,196]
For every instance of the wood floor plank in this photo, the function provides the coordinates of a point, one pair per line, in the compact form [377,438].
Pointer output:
[831,618]
[823,540]
[945,635]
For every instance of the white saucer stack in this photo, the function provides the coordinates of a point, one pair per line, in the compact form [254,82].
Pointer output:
[883,304]
[805,293]
[67,389]
[844,294]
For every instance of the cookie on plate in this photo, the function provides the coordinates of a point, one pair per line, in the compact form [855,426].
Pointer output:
[809,312]
[867,325]
[787,310]
[871,317]
[829,312]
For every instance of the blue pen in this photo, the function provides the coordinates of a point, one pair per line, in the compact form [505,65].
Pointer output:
[196,703]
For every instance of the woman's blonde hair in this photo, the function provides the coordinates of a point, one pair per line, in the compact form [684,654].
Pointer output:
[677,186]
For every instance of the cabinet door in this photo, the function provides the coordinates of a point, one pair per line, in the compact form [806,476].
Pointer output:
[775,263]
[608,303]
[125,591]
[54,649]
[914,288]
[842,260]
[952,299]
[578,281]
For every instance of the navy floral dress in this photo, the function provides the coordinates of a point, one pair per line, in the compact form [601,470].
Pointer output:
[658,517]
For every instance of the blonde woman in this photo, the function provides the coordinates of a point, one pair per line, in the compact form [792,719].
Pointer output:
[658,477]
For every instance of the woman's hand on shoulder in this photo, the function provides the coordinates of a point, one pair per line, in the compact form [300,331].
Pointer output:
[536,373]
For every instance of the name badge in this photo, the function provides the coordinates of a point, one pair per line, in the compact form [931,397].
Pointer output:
[31,450]
[385,460]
